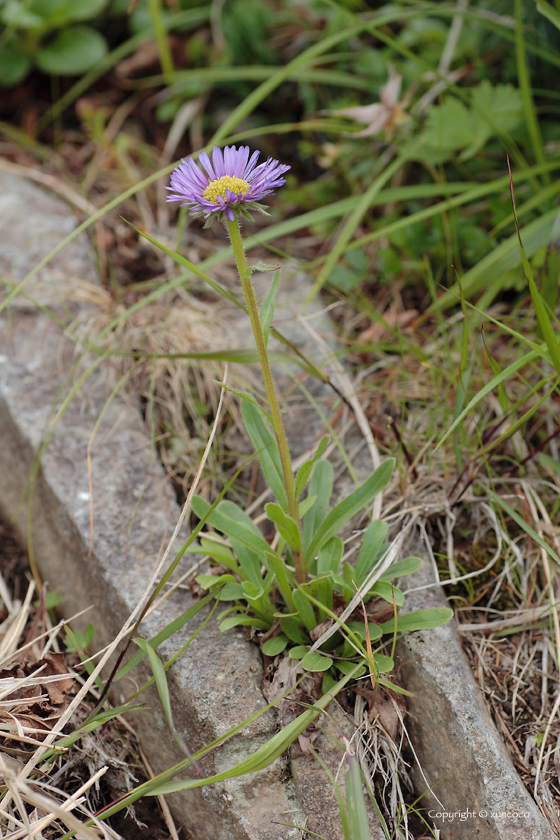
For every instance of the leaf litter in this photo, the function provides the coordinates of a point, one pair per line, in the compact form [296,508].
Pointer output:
[38,685]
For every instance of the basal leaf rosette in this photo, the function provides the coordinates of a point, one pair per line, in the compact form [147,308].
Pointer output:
[229,185]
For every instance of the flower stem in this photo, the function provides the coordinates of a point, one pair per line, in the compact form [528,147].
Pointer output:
[277,422]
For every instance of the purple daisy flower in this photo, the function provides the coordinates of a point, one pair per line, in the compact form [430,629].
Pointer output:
[231,183]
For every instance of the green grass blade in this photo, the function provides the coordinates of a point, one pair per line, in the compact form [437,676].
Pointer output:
[164,634]
[263,756]
[549,12]
[158,671]
[361,207]
[357,812]
[491,268]
[525,85]
[543,317]
[495,381]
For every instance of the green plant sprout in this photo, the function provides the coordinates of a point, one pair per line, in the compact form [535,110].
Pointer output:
[288,588]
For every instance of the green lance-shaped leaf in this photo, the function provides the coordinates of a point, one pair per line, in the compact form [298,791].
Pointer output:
[372,546]
[419,620]
[548,10]
[234,523]
[404,567]
[355,800]
[243,395]
[320,486]
[543,317]
[163,690]
[284,579]
[242,621]
[305,470]
[293,629]
[267,452]
[330,556]
[324,592]
[388,592]
[304,609]
[218,552]
[285,524]
[348,507]
[267,310]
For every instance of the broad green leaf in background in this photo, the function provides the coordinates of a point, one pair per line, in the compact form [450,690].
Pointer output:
[453,126]
[503,107]
[17,15]
[60,12]
[14,65]
[73,51]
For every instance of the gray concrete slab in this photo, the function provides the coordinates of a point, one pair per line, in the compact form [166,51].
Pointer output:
[475,789]
[216,684]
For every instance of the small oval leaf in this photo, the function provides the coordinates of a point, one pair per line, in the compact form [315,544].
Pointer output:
[275,645]
[298,652]
[315,662]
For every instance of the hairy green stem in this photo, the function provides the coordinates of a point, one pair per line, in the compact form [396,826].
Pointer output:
[277,422]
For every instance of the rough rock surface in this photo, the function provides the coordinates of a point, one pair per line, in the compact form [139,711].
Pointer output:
[476,791]
[216,682]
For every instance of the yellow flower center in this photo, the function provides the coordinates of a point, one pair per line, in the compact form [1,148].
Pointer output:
[226,182]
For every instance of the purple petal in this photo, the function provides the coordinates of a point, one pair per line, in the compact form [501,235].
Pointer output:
[230,214]
[218,161]
[242,157]
[251,165]
[205,161]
